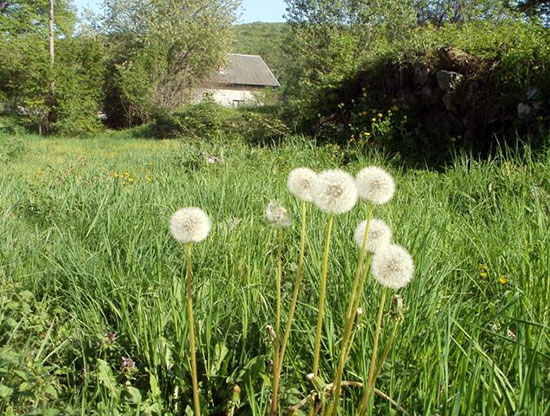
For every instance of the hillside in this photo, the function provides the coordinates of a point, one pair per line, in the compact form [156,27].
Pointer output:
[264,39]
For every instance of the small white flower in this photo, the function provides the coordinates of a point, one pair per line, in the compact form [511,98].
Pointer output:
[379,234]
[392,266]
[334,191]
[277,214]
[299,183]
[190,225]
[375,185]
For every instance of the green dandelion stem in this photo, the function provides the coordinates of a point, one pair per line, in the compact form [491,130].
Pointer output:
[370,380]
[357,300]
[356,291]
[291,311]
[188,295]
[385,353]
[322,297]
[276,342]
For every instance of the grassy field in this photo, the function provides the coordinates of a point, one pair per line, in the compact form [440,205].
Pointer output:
[91,280]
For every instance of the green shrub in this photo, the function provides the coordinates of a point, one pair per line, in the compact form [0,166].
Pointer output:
[261,129]
[202,120]
[79,80]
[394,100]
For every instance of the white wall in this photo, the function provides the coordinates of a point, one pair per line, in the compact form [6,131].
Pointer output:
[229,97]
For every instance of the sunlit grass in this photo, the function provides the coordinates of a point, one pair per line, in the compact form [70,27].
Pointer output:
[96,256]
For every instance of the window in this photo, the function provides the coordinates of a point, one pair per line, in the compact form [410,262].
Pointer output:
[237,103]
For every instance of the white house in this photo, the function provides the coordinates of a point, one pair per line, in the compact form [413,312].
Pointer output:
[242,82]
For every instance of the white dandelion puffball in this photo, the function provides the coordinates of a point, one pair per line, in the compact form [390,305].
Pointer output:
[190,225]
[299,183]
[334,191]
[375,185]
[392,266]
[277,214]
[379,235]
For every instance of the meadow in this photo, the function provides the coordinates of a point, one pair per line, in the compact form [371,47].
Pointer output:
[92,313]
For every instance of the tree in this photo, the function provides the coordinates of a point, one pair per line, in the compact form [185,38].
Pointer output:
[27,72]
[330,39]
[161,50]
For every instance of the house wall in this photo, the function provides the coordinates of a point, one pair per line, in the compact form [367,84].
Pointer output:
[231,96]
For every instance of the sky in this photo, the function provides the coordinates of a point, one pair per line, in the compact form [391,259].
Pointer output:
[253,10]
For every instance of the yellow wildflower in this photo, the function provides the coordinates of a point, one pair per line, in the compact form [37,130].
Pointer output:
[380,115]
[483,275]
[503,280]
[373,119]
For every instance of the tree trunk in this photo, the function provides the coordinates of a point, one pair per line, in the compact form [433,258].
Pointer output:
[52,48]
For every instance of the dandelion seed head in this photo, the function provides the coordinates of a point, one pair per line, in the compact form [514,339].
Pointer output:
[392,266]
[375,185]
[299,183]
[379,234]
[190,225]
[334,191]
[277,214]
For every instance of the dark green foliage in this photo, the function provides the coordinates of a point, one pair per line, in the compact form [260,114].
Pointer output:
[79,79]
[262,129]
[203,120]
[503,90]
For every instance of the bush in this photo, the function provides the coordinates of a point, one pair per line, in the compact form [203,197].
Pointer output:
[455,85]
[261,129]
[202,120]
[79,80]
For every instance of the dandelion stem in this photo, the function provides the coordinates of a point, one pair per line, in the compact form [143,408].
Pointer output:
[276,342]
[188,295]
[350,317]
[371,377]
[286,337]
[322,297]
[358,298]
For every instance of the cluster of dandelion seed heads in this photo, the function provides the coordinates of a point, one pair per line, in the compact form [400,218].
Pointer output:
[375,185]
[299,183]
[334,191]
[379,234]
[190,225]
[277,214]
[392,266]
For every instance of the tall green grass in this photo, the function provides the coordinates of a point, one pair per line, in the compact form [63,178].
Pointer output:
[85,251]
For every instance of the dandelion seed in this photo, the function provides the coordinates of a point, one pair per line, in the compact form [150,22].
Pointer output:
[375,185]
[277,214]
[392,266]
[299,183]
[379,234]
[334,191]
[190,225]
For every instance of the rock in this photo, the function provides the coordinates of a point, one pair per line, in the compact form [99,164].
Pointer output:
[523,110]
[421,72]
[448,101]
[448,80]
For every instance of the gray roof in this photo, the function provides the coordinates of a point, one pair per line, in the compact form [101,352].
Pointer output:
[246,70]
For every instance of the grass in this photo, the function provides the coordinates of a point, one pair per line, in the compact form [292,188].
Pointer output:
[85,251]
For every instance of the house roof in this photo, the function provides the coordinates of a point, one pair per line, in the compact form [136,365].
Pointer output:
[246,70]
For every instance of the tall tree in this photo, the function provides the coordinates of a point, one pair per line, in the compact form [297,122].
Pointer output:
[164,48]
